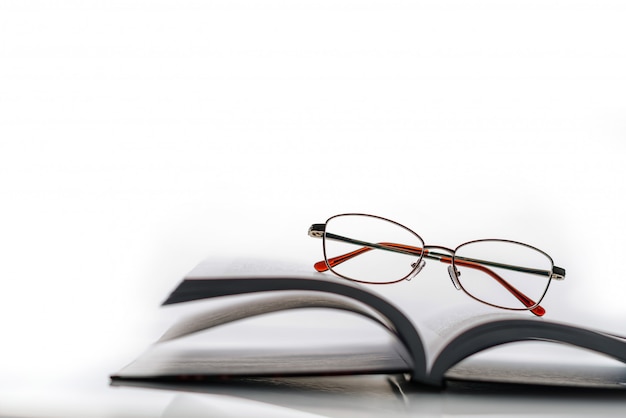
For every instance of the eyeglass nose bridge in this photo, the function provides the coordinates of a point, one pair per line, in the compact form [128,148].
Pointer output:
[453,272]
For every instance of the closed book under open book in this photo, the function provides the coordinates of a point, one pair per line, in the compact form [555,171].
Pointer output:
[351,329]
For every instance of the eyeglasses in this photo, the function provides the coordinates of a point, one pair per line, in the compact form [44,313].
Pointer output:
[374,250]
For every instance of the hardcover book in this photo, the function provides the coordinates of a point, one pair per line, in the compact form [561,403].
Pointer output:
[351,329]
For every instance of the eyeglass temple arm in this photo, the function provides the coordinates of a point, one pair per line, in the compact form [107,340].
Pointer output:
[317,230]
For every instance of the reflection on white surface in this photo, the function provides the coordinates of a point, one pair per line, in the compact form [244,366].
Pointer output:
[376,396]
[347,396]
[200,406]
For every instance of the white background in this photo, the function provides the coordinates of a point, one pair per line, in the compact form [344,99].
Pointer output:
[138,137]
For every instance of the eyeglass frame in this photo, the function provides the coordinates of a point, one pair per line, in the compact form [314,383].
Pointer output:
[556,273]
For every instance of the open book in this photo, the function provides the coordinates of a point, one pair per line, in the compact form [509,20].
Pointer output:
[390,341]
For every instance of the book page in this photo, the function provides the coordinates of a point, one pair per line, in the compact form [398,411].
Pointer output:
[251,267]
[302,341]
[542,363]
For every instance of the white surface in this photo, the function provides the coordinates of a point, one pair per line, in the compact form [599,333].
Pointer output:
[138,137]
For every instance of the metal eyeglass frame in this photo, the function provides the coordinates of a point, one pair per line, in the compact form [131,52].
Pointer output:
[556,273]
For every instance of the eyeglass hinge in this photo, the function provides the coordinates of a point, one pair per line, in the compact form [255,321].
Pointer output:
[317,230]
[558,273]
